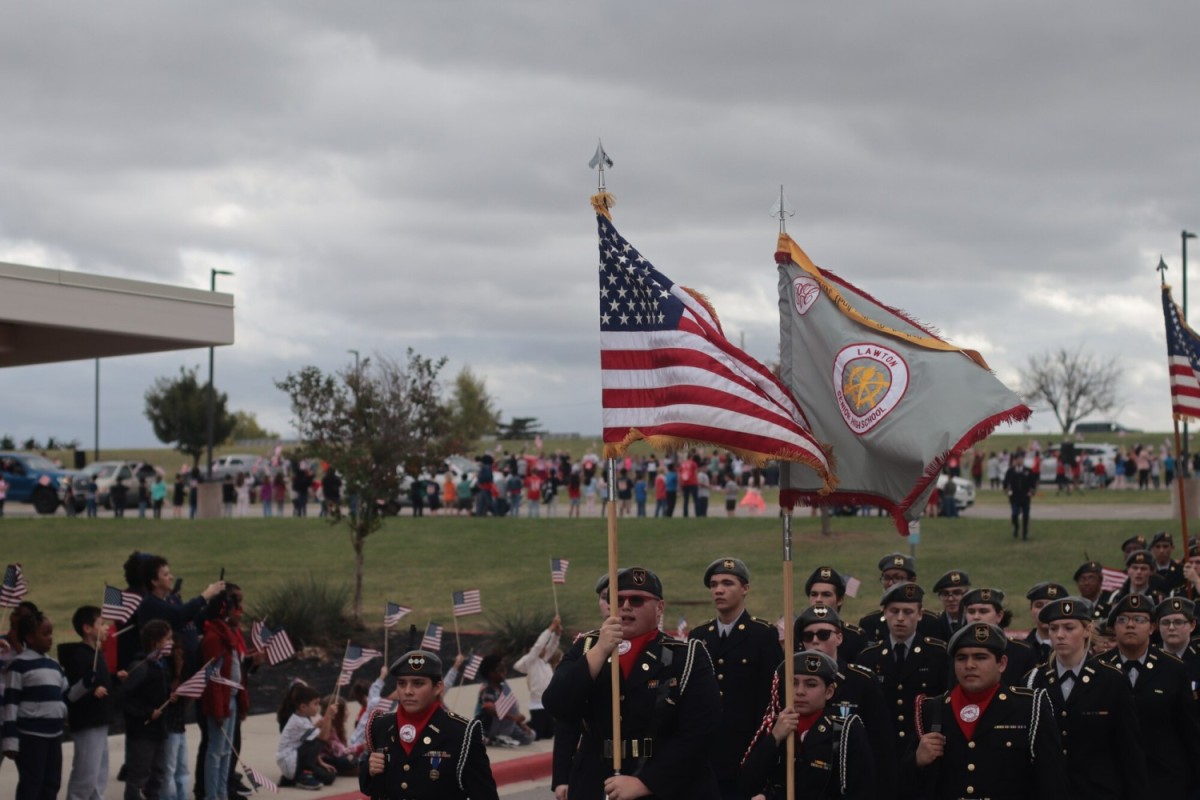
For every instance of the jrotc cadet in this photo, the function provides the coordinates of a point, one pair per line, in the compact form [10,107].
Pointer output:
[833,757]
[857,692]
[1093,706]
[1176,620]
[1139,567]
[1089,583]
[987,605]
[906,664]
[669,703]
[1168,571]
[826,587]
[422,750]
[1163,697]
[744,653]
[897,568]
[984,738]
[1191,575]
[1133,544]
[1039,596]
[950,589]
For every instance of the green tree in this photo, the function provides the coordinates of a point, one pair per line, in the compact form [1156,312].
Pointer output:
[365,424]
[178,410]
[520,428]
[245,426]
[472,411]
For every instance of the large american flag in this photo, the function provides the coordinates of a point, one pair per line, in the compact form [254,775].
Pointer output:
[392,613]
[467,602]
[669,375]
[558,570]
[1183,360]
[275,643]
[119,605]
[355,657]
[432,640]
[13,588]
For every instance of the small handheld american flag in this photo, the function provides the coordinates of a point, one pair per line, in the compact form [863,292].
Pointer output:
[355,657]
[392,613]
[467,602]
[471,669]
[258,780]
[681,631]
[13,588]
[505,703]
[194,686]
[558,570]
[119,605]
[432,640]
[275,643]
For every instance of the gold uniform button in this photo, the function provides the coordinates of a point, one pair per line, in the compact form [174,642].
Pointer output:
[427,740]
[970,767]
[407,767]
[1003,696]
[645,667]
[745,661]
[899,702]
[899,688]
[970,790]
[720,677]
[720,661]
[901,734]
[404,786]
[1064,713]
[971,745]
[900,718]
[742,626]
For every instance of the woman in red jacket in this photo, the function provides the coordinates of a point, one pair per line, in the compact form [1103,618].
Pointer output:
[224,700]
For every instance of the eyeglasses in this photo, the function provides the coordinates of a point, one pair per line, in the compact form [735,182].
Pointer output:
[952,593]
[1174,623]
[634,600]
[1133,619]
[816,636]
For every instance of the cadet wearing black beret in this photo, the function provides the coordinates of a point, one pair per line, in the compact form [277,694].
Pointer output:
[987,605]
[826,586]
[950,588]
[1038,596]
[897,568]
[1168,571]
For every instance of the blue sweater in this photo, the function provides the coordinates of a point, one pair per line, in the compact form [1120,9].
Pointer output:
[34,700]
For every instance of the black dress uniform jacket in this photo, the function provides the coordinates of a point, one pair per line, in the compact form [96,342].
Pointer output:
[1166,710]
[1014,754]
[1101,737]
[858,694]
[744,662]
[447,762]
[670,710]
[874,628]
[833,754]
[922,673]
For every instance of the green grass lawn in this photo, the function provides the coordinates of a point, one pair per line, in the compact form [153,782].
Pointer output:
[420,562]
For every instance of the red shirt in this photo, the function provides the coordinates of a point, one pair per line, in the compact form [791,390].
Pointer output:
[687,473]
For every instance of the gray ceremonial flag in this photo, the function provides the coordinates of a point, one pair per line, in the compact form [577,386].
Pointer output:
[894,400]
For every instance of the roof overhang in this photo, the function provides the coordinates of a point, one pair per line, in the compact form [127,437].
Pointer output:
[48,315]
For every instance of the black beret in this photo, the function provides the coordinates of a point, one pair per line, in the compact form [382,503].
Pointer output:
[1162,536]
[1130,602]
[1046,591]
[639,579]
[418,664]
[992,597]
[727,566]
[1139,540]
[903,593]
[812,662]
[602,585]
[815,614]
[898,561]
[1139,557]
[1175,605]
[1193,551]
[979,634]
[1066,608]
[826,575]
[1088,566]
[952,579]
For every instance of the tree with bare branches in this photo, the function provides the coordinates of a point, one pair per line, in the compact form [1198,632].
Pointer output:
[1073,384]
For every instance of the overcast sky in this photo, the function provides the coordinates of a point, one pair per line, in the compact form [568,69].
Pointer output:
[384,175]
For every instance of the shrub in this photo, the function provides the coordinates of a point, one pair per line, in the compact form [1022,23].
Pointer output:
[311,609]
[514,631]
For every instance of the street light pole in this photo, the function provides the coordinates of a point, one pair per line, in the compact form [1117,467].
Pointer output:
[212,391]
[1185,468]
[96,440]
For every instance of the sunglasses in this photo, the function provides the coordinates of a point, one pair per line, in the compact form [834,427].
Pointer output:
[634,600]
[816,636]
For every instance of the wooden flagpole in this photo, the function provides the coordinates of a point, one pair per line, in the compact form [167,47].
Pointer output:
[613,610]
[337,689]
[788,646]
[457,641]
[96,649]
[1181,487]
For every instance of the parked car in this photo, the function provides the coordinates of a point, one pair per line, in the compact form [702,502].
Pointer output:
[964,490]
[1104,453]
[234,464]
[105,474]
[35,479]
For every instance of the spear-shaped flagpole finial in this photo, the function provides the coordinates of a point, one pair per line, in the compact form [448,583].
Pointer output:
[600,161]
[782,210]
[1161,269]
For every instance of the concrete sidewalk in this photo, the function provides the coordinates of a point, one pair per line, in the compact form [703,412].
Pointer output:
[515,768]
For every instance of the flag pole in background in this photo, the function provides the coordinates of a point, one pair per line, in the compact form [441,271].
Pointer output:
[554,585]
[386,631]
[1183,370]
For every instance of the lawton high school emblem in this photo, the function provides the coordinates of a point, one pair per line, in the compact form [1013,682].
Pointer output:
[805,291]
[728,564]
[869,382]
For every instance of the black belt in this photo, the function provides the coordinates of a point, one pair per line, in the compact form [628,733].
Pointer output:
[633,748]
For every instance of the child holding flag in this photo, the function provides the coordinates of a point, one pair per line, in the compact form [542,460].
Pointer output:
[144,694]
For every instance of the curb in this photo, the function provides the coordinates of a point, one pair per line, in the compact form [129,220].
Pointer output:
[513,770]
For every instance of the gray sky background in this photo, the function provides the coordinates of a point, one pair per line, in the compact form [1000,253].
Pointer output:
[384,175]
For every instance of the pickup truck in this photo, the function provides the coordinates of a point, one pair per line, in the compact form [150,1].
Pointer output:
[35,479]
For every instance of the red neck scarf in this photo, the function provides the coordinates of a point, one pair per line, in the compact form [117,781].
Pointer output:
[418,722]
[960,699]
[804,722]
[636,646]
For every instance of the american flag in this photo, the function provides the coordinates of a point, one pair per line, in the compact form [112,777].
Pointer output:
[1111,579]
[275,643]
[668,373]
[194,686]
[119,605]
[467,602]
[258,780]
[162,652]
[13,588]
[1183,360]
[432,640]
[681,630]
[558,570]
[471,668]
[506,703]
[392,612]
[387,706]
[355,657]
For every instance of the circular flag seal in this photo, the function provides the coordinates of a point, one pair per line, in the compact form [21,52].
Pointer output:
[869,382]
[408,733]
[969,713]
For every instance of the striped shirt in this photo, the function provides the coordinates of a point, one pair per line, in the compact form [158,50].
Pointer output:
[34,699]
